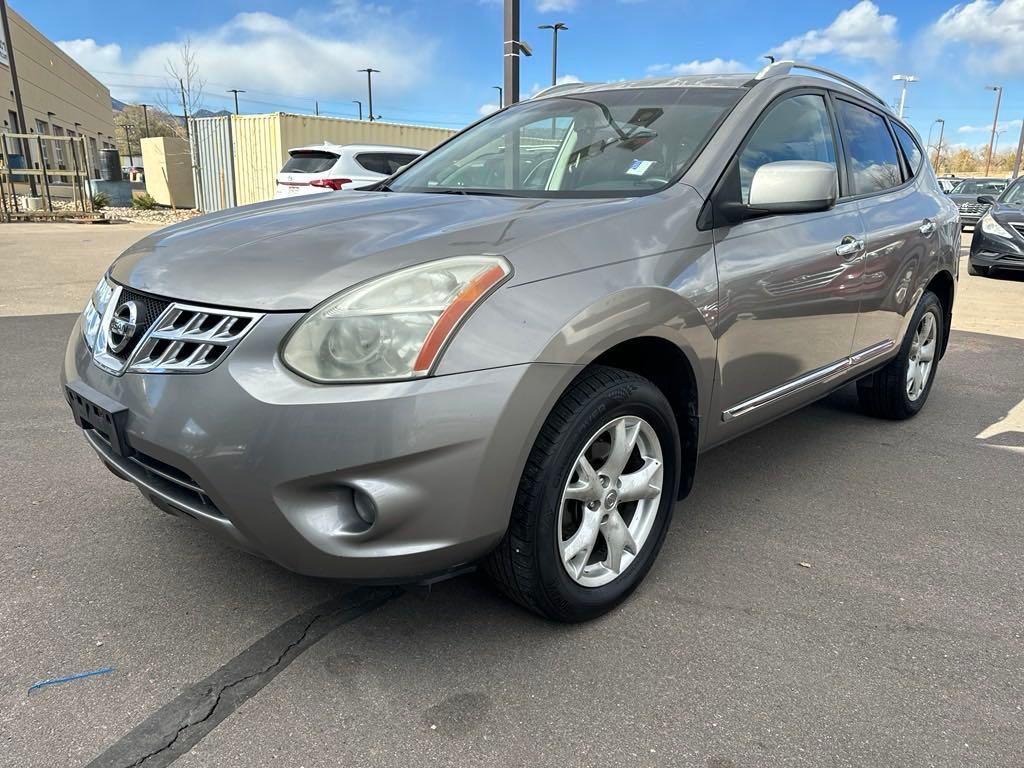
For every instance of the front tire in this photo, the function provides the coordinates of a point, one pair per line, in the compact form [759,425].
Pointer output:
[594,501]
[900,389]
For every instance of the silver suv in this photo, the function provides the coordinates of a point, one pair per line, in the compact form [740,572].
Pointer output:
[401,383]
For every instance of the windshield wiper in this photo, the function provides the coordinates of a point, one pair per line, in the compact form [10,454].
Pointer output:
[464,191]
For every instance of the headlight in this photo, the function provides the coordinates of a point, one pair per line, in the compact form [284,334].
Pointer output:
[392,327]
[94,310]
[992,227]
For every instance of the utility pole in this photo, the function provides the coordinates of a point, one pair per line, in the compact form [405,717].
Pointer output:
[554,47]
[22,127]
[369,89]
[316,108]
[357,101]
[145,117]
[501,96]
[128,141]
[1020,151]
[907,80]
[235,91]
[995,120]
[184,109]
[511,51]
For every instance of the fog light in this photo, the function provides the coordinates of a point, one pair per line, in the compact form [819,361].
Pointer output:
[365,507]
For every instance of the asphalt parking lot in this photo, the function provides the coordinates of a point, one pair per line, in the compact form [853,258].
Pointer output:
[900,645]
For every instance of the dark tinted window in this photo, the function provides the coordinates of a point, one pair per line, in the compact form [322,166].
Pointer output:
[383,162]
[1014,194]
[309,161]
[910,149]
[874,164]
[795,129]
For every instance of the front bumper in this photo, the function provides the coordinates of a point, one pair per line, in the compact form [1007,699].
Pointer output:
[279,466]
[990,251]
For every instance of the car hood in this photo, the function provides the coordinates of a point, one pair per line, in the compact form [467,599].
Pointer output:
[1008,214]
[289,255]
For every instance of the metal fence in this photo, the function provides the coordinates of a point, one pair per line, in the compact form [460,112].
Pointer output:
[59,169]
[213,171]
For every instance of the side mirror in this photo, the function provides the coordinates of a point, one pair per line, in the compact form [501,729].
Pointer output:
[986,199]
[794,186]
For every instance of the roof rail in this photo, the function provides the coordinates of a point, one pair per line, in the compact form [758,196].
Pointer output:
[553,89]
[780,68]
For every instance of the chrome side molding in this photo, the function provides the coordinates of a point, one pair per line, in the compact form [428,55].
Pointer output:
[816,376]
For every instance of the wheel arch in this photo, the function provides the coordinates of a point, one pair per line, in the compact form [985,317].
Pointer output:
[943,285]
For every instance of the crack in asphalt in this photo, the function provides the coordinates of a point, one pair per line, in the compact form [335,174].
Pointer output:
[220,694]
[178,726]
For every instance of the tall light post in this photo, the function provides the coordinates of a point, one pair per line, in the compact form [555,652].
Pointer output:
[1020,151]
[128,140]
[995,120]
[501,96]
[235,92]
[512,48]
[360,105]
[22,127]
[906,80]
[554,47]
[938,147]
[995,146]
[369,89]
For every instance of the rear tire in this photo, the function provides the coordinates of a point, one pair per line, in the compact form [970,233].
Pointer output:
[977,271]
[901,388]
[553,506]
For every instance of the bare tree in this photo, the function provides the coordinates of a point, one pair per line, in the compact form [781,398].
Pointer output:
[185,83]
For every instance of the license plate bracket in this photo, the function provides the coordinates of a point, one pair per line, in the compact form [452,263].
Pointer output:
[94,410]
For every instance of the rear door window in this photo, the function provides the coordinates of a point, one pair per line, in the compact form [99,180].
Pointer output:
[383,162]
[309,161]
[910,149]
[874,164]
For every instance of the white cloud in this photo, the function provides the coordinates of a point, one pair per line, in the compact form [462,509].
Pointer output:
[698,67]
[263,53]
[545,6]
[486,109]
[860,32]
[1003,126]
[537,87]
[992,30]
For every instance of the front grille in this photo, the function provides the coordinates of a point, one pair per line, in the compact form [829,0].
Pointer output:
[973,208]
[150,308]
[1019,228]
[168,336]
[190,339]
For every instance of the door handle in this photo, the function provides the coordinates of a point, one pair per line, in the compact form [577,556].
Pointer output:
[849,246]
[927,227]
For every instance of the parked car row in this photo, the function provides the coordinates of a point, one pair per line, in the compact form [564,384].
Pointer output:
[966,193]
[998,241]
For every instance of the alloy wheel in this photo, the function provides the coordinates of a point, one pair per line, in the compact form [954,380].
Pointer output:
[922,356]
[610,501]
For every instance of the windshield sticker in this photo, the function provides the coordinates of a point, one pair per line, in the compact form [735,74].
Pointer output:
[640,167]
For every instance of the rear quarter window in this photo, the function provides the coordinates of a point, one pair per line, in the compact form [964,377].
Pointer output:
[309,162]
[910,148]
[386,163]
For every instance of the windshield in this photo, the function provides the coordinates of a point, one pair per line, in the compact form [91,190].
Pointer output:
[608,143]
[1014,195]
[979,187]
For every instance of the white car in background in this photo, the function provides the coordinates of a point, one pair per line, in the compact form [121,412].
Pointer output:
[328,167]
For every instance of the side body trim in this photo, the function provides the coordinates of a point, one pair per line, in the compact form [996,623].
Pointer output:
[808,379]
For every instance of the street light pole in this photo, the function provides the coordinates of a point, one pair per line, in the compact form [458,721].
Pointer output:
[501,96]
[128,141]
[907,80]
[235,91]
[18,105]
[512,48]
[357,101]
[145,117]
[995,120]
[369,89]
[938,147]
[554,47]
[1020,151]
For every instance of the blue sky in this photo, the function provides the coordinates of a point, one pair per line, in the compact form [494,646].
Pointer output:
[439,58]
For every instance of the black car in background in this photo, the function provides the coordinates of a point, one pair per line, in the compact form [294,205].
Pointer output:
[966,193]
[998,241]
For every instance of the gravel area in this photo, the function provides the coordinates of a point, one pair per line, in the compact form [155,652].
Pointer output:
[160,216]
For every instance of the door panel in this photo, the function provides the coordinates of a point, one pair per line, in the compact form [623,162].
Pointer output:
[787,301]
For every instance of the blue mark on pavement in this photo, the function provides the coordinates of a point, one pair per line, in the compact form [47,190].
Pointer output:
[70,678]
